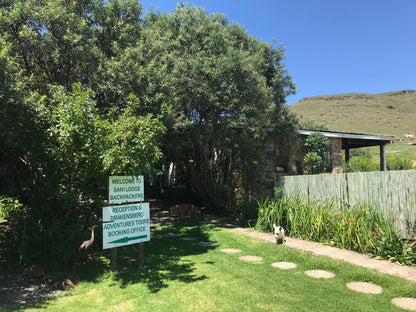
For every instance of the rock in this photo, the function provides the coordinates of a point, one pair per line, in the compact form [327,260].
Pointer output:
[34,271]
[67,285]
[48,280]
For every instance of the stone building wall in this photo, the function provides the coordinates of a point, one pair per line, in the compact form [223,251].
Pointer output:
[335,147]
[298,152]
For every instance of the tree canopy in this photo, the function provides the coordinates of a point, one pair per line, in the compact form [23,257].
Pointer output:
[91,88]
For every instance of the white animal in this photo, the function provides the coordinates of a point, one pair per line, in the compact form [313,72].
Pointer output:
[279,234]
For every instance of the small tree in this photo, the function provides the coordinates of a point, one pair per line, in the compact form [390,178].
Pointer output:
[312,163]
[84,148]
[317,144]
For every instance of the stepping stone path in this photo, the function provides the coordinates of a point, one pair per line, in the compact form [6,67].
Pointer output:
[408,304]
[405,303]
[251,258]
[231,250]
[319,274]
[188,238]
[284,265]
[365,287]
[171,235]
[208,244]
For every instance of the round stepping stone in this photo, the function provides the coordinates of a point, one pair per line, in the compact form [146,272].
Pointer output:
[319,274]
[171,235]
[405,303]
[208,244]
[188,238]
[365,287]
[250,258]
[284,265]
[231,250]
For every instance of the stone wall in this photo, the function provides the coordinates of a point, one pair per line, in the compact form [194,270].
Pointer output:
[335,147]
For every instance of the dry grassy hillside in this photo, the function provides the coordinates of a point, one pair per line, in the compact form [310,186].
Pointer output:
[392,113]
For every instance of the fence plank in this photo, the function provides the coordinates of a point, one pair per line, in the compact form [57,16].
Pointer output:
[394,192]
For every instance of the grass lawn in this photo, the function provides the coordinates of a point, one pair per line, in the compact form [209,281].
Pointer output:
[181,275]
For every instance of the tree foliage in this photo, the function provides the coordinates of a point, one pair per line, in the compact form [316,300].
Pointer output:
[91,88]
[317,143]
[225,89]
[312,163]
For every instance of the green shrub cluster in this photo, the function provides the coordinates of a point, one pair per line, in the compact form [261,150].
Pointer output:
[312,163]
[364,163]
[11,209]
[315,161]
[360,164]
[399,164]
[361,228]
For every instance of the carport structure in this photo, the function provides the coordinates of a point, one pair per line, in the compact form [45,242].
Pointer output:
[348,141]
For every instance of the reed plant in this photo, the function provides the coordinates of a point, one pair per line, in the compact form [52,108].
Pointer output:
[362,228]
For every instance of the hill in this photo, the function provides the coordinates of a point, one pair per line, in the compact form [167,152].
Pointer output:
[389,114]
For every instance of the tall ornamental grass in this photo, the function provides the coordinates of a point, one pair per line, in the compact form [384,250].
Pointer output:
[362,228]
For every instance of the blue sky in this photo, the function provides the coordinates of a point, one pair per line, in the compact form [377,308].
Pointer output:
[332,46]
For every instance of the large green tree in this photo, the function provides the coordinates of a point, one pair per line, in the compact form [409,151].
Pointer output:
[64,42]
[64,130]
[226,89]
[94,79]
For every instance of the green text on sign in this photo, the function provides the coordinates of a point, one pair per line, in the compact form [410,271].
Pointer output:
[126,189]
[125,225]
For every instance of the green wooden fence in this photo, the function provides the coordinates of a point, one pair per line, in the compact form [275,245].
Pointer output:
[392,191]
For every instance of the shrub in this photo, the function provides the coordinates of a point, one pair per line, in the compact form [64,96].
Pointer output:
[312,163]
[14,236]
[11,209]
[399,164]
[360,164]
[318,145]
[363,228]
[245,210]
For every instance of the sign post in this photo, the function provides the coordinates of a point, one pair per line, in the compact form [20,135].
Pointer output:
[125,225]
[129,223]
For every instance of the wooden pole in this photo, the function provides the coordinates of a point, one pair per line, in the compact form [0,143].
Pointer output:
[113,260]
[140,255]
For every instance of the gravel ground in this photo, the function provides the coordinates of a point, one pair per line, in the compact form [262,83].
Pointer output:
[17,290]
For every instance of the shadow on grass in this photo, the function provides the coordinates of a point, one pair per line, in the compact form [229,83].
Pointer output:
[163,260]
[163,257]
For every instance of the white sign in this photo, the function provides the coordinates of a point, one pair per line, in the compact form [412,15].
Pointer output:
[125,225]
[126,189]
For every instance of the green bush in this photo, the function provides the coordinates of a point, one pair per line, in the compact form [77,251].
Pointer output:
[245,210]
[12,239]
[318,145]
[30,237]
[11,209]
[312,163]
[399,164]
[361,164]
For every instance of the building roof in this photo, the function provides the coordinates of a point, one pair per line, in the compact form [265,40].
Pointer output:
[353,140]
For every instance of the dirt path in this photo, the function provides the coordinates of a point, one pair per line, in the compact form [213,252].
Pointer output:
[407,273]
